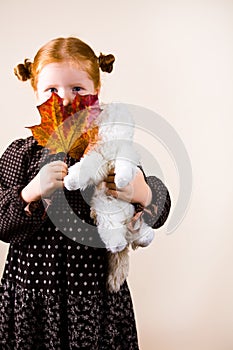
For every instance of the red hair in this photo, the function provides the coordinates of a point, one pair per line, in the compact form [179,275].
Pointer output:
[68,49]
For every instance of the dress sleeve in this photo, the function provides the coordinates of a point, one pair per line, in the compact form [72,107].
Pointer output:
[157,212]
[15,167]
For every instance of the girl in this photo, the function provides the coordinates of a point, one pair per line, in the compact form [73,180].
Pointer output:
[53,292]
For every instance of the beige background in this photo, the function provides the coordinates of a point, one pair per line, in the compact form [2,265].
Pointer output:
[174,57]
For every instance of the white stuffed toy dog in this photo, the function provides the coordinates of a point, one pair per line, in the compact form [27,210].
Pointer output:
[113,149]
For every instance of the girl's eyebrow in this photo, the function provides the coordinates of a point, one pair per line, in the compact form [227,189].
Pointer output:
[48,86]
[51,85]
[76,83]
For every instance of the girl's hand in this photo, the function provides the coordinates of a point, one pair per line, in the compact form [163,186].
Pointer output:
[49,179]
[137,191]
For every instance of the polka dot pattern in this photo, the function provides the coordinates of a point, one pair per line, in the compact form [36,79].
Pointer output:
[53,291]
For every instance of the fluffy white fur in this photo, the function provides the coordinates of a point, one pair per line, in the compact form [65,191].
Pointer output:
[114,149]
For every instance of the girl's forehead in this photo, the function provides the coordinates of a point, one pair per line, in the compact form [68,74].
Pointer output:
[62,70]
[59,67]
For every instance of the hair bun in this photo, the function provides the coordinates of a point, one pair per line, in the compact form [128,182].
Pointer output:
[106,62]
[23,70]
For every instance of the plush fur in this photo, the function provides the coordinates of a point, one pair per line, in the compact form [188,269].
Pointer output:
[113,149]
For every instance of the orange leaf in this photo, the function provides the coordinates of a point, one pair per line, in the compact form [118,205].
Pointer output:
[67,129]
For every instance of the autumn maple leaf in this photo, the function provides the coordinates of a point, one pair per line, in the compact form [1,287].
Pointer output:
[67,129]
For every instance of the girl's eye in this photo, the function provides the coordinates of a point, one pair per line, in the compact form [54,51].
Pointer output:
[52,89]
[76,89]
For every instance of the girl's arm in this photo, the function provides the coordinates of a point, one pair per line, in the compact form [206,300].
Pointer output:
[156,213]
[18,163]
[148,194]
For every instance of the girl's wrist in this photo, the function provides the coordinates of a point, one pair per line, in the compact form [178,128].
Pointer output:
[147,197]
[27,197]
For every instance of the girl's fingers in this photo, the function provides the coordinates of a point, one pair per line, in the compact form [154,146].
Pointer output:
[112,172]
[57,162]
[112,193]
[110,179]
[59,169]
[58,165]
[110,185]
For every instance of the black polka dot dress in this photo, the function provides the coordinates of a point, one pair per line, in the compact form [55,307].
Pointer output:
[53,291]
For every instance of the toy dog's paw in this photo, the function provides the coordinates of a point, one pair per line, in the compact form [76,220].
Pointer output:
[77,177]
[145,237]
[125,171]
[71,181]
[122,181]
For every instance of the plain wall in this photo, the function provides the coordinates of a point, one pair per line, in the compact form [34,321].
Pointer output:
[175,58]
